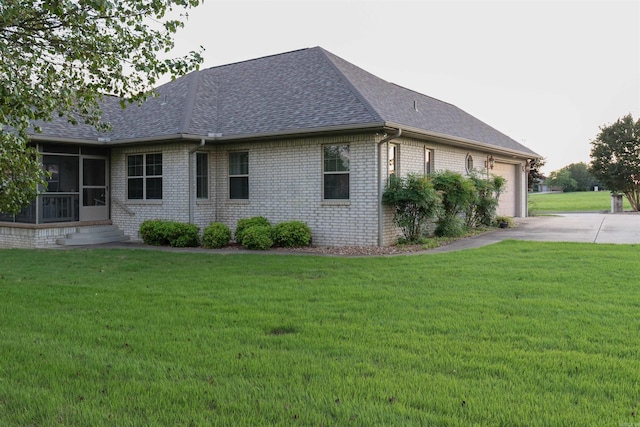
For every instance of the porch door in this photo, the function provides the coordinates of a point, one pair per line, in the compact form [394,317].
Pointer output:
[94,204]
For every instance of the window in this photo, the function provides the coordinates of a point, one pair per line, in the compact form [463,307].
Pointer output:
[239,175]
[428,161]
[393,159]
[144,177]
[336,172]
[469,163]
[202,175]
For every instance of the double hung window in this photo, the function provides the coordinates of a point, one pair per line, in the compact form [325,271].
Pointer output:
[144,176]
[428,161]
[202,175]
[336,169]
[239,175]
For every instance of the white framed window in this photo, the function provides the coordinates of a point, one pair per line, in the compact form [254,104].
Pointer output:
[335,172]
[239,175]
[469,163]
[144,176]
[393,159]
[428,161]
[202,175]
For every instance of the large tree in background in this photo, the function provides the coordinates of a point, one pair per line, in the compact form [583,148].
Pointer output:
[59,57]
[575,177]
[615,158]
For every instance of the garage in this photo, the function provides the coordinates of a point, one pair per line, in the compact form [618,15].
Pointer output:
[508,199]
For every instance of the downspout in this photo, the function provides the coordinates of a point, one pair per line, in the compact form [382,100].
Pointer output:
[191,195]
[385,140]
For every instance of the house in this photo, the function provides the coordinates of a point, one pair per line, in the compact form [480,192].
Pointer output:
[303,135]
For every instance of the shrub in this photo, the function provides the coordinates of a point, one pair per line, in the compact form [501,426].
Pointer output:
[152,232]
[415,203]
[291,234]
[257,237]
[448,226]
[482,210]
[216,235]
[458,193]
[245,223]
[184,235]
[176,234]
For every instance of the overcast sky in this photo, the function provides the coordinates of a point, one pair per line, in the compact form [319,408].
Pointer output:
[546,73]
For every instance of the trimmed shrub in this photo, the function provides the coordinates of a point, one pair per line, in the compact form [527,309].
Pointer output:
[216,235]
[176,234]
[184,235]
[245,223]
[291,234]
[153,233]
[257,237]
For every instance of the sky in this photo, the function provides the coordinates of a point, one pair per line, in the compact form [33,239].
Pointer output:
[548,74]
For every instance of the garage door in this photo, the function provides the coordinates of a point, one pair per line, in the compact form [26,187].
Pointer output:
[507,201]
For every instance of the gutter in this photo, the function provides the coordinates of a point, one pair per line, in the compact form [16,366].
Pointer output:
[385,141]
[191,191]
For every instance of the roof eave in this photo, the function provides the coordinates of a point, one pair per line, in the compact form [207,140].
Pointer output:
[460,142]
[305,132]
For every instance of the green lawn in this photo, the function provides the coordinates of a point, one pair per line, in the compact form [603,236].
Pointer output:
[580,201]
[514,334]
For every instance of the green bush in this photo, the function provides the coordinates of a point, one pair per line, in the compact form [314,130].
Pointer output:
[291,234]
[216,235]
[245,223]
[457,193]
[415,204]
[153,233]
[158,232]
[481,211]
[257,237]
[450,227]
[184,235]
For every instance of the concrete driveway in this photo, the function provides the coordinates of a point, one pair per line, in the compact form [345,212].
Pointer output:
[621,228]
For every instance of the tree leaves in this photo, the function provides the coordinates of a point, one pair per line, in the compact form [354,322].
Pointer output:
[60,58]
[615,158]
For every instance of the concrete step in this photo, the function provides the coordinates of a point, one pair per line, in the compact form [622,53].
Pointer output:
[93,235]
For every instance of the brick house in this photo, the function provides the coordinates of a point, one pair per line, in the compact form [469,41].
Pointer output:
[302,135]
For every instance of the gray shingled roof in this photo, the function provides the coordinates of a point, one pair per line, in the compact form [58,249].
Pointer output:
[295,92]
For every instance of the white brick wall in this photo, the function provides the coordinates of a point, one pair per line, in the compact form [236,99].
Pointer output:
[31,237]
[285,183]
[175,188]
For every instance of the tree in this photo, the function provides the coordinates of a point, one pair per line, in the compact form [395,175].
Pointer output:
[615,158]
[562,178]
[59,58]
[580,173]
[414,201]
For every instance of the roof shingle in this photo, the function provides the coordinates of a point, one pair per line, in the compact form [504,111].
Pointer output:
[300,91]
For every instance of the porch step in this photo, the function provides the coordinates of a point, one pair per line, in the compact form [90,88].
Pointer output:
[93,235]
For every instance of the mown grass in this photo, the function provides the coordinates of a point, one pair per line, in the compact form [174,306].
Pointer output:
[580,201]
[514,334]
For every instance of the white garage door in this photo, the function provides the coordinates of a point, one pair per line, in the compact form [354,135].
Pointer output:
[508,199]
